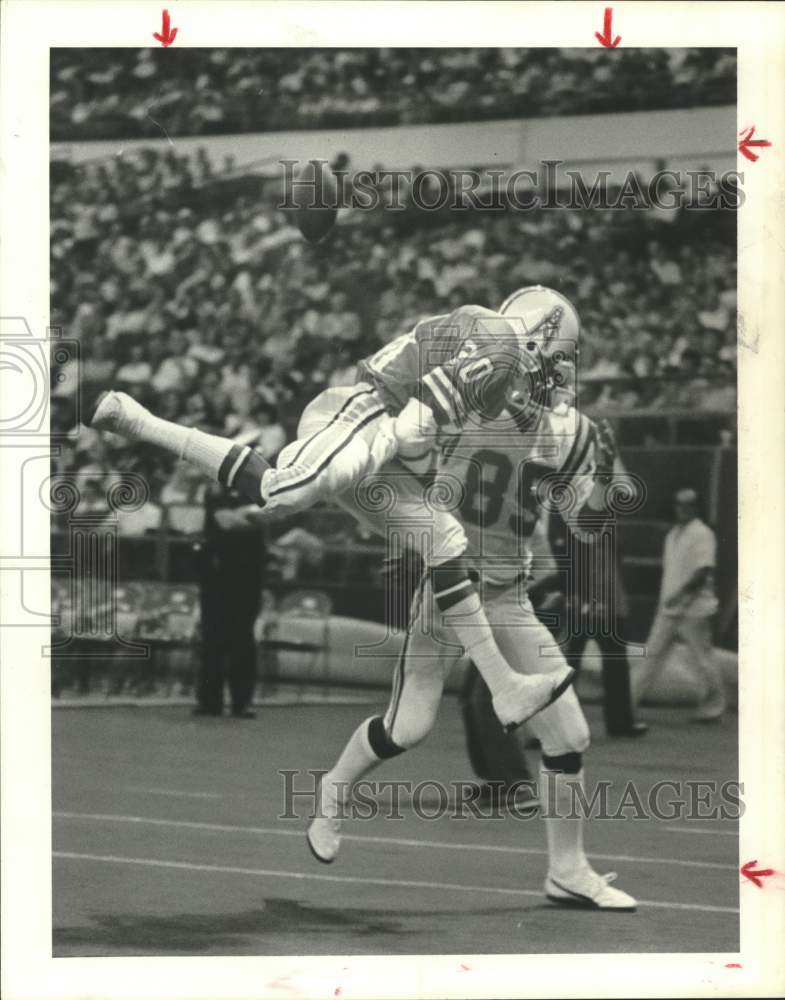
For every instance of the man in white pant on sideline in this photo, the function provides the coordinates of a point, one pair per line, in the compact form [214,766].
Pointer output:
[687,606]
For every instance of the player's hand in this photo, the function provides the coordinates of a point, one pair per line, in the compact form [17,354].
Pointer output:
[226,519]
[550,600]
[237,518]
[415,428]
[606,449]
[251,514]
[391,569]
[394,569]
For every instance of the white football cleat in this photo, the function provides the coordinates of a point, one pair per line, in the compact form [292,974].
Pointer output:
[527,694]
[587,889]
[119,413]
[324,832]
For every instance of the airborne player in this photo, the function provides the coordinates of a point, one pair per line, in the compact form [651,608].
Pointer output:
[449,373]
[508,468]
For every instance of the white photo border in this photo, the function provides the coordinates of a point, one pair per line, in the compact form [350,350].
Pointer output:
[30,28]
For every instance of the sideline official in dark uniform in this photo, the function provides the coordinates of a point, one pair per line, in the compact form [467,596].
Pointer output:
[233,559]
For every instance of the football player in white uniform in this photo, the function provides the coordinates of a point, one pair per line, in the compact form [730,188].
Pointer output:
[500,474]
[449,372]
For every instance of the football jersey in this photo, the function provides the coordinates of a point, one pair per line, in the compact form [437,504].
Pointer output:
[458,363]
[502,488]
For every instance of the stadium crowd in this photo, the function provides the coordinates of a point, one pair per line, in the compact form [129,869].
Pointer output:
[122,93]
[216,313]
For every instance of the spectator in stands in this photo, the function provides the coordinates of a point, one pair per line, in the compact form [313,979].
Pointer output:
[99,366]
[340,322]
[188,293]
[720,395]
[184,486]
[687,607]
[134,523]
[270,436]
[119,95]
[136,371]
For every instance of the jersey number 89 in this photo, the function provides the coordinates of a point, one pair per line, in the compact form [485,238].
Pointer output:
[488,478]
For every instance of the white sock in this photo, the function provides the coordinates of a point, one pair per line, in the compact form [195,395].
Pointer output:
[563,824]
[469,622]
[356,760]
[206,451]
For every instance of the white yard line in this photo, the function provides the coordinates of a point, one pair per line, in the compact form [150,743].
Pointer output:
[393,841]
[703,830]
[440,887]
[171,792]
[277,700]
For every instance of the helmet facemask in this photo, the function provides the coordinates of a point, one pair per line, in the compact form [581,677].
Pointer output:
[553,338]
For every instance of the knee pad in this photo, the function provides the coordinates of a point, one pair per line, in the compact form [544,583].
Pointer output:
[568,763]
[562,728]
[405,733]
[451,582]
[243,468]
[381,743]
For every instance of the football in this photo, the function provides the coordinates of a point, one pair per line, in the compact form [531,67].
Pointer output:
[314,197]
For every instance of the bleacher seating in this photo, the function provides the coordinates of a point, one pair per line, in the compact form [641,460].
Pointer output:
[120,93]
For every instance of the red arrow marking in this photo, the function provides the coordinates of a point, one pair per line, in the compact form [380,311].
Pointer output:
[606,38]
[756,875]
[167,35]
[282,983]
[747,142]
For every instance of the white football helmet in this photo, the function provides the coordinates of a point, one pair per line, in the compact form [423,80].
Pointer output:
[550,320]
[552,326]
